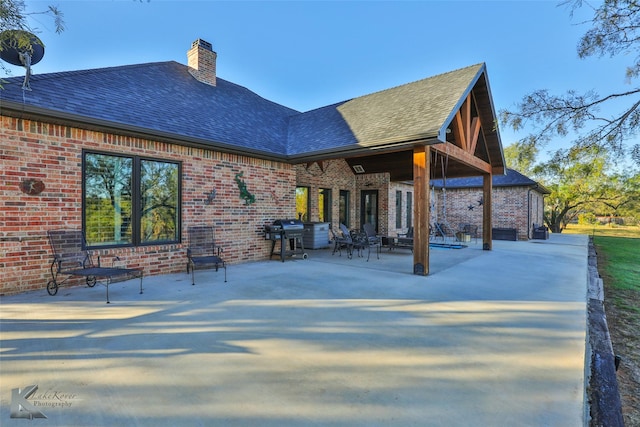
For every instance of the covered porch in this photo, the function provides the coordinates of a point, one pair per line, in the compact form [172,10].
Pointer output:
[437,128]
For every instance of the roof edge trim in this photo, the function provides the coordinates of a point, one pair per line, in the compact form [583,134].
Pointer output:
[21,111]
[355,150]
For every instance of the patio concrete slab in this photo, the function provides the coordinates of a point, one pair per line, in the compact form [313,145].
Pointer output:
[496,338]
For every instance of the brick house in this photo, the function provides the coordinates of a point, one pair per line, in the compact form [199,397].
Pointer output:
[135,154]
[518,202]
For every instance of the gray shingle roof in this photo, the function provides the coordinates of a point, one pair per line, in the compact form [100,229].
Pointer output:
[417,110]
[163,100]
[160,97]
[511,178]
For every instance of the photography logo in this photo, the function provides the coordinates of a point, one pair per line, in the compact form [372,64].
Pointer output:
[21,407]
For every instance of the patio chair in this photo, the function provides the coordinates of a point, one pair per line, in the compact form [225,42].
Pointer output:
[372,239]
[408,234]
[358,240]
[70,258]
[405,240]
[202,251]
[342,241]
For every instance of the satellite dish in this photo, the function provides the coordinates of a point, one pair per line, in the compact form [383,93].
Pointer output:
[22,48]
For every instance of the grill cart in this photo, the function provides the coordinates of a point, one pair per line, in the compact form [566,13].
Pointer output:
[289,233]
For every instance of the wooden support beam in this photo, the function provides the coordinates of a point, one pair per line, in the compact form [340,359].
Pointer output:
[421,209]
[475,132]
[465,110]
[487,224]
[460,155]
[466,129]
[459,133]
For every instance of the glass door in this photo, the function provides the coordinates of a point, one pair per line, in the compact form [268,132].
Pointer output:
[369,208]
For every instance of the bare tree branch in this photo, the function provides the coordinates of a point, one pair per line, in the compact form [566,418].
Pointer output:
[615,30]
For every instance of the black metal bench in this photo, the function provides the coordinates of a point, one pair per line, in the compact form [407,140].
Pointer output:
[70,258]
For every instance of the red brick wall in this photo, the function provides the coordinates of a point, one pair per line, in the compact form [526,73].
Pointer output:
[332,174]
[404,189]
[380,182]
[53,154]
[337,175]
[513,207]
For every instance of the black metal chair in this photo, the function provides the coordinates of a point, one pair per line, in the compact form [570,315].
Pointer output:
[70,258]
[404,240]
[202,251]
[372,239]
[342,241]
[408,234]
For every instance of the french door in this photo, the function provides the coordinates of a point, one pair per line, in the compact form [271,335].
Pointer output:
[369,208]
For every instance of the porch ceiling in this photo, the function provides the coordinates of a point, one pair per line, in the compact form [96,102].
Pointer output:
[399,165]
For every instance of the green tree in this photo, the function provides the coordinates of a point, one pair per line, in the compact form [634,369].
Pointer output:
[615,30]
[621,197]
[576,179]
[521,157]
[582,185]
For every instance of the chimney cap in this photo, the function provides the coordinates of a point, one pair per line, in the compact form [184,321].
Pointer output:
[205,44]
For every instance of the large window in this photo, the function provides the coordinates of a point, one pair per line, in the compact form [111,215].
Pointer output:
[344,207]
[409,208]
[130,200]
[302,203]
[324,205]
[398,209]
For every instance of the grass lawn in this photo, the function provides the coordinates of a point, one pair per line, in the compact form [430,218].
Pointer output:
[619,247]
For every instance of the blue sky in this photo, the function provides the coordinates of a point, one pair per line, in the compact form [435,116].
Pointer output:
[306,54]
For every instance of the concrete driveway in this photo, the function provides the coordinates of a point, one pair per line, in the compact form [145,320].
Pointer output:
[490,338]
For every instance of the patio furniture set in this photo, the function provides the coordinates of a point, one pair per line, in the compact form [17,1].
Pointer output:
[357,241]
[71,258]
[440,235]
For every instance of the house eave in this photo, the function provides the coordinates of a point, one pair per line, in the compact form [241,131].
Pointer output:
[381,146]
[21,111]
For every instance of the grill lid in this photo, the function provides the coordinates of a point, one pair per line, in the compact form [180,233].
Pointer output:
[289,224]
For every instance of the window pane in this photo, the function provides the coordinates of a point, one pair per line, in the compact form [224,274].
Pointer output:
[398,209]
[159,201]
[369,208]
[302,203]
[344,207]
[324,205]
[409,209]
[108,207]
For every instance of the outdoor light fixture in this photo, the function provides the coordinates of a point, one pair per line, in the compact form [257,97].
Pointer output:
[358,168]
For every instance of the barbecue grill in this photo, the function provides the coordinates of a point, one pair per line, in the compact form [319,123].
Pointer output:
[286,230]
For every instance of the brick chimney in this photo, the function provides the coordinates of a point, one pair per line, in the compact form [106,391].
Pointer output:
[202,62]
